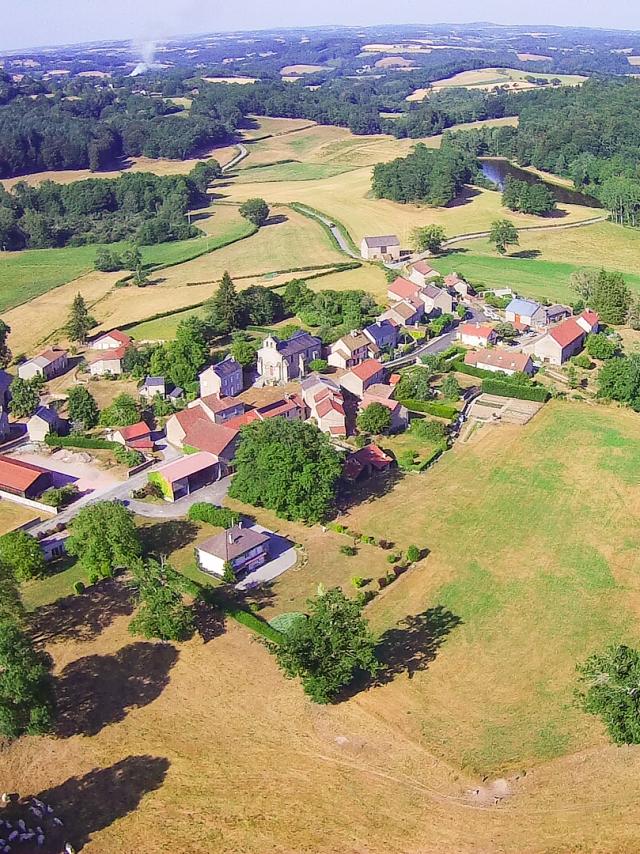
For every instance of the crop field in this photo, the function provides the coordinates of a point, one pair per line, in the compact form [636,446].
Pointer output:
[488,78]
[515,589]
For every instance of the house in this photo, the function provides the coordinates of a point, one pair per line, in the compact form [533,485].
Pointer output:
[176,395]
[507,361]
[111,341]
[280,361]
[180,478]
[54,545]
[436,300]
[291,407]
[589,321]
[360,377]
[404,313]
[476,334]
[556,313]
[381,393]
[48,364]
[560,343]
[137,436]
[153,386]
[454,282]
[420,272]
[245,549]
[402,288]
[24,480]
[351,349]
[325,403]
[219,409]
[217,439]
[44,421]
[364,462]
[383,248]
[224,379]
[526,312]
[107,362]
[382,333]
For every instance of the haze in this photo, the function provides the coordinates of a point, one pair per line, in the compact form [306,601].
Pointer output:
[42,22]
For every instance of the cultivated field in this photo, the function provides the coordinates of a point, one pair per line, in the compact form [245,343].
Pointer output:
[490,78]
[517,587]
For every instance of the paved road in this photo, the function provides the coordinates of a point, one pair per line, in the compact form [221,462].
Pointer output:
[242,153]
[336,231]
[214,494]
[436,345]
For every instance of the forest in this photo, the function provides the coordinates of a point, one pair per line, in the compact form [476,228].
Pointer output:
[425,175]
[136,206]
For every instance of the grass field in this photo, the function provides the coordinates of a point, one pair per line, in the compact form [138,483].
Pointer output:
[12,515]
[533,585]
[488,78]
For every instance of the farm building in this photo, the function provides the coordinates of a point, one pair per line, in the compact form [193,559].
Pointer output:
[180,478]
[526,312]
[383,248]
[245,549]
[48,364]
[107,362]
[560,343]
[24,480]
[111,341]
[136,436]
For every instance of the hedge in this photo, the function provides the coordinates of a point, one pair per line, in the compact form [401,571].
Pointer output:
[307,210]
[260,627]
[80,442]
[202,511]
[537,393]
[473,371]
[440,410]
[433,456]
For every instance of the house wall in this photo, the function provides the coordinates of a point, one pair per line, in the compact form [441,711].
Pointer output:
[548,350]
[175,433]
[38,429]
[104,366]
[228,386]
[210,563]
[475,340]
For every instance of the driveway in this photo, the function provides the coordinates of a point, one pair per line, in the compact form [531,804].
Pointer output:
[283,557]
[214,494]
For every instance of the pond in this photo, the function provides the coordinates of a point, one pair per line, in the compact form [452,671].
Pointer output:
[498,169]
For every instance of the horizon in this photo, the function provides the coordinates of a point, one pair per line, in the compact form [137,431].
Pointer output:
[38,25]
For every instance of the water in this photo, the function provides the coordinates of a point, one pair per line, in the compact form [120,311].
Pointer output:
[497,169]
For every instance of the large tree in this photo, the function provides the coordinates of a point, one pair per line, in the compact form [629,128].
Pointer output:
[605,292]
[428,238]
[503,234]
[22,555]
[162,612]
[82,406]
[619,379]
[5,352]
[255,210]
[104,538]
[123,412]
[610,688]
[26,704]
[375,418]
[287,466]
[226,308]
[80,321]
[25,396]
[328,648]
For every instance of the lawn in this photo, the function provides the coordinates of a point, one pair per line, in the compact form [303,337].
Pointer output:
[13,515]
[533,551]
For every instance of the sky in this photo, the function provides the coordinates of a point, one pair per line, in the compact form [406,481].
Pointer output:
[32,23]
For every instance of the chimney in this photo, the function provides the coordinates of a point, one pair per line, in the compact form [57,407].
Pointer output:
[230,537]
[239,523]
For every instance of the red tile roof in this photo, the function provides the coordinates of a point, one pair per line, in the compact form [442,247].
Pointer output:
[134,431]
[326,406]
[16,474]
[476,329]
[367,369]
[423,268]
[403,288]
[124,340]
[206,435]
[369,455]
[108,355]
[567,332]
[592,317]
[502,359]
[52,354]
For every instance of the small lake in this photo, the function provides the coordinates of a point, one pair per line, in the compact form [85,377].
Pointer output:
[497,169]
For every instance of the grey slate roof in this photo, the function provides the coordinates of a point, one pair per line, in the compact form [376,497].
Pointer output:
[383,240]
[298,343]
[233,543]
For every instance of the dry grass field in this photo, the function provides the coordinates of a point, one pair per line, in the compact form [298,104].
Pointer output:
[532,564]
[13,515]
[489,78]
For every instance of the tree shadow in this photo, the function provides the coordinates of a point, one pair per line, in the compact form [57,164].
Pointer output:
[213,602]
[98,690]
[526,253]
[92,802]
[82,617]
[556,213]
[276,219]
[466,195]
[353,493]
[164,538]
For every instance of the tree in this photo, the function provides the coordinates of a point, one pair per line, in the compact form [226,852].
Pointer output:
[506,330]
[328,648]
[104,538]
[375,418]
[22,555]
[414,384]
[244,352]
[255,210]
[132,260]
[123,412]
[429,429]
[80,321]
[25,396]
[450,387]
[108,260]
[82,407]
[610,297]
[528,198]
[289,467]
[610,688]
[600,346]
[619,379]
[225,309]
[162,612]
[318,365]
[228,573]
[503,233]
[5,352]
[428,238]
[26,704]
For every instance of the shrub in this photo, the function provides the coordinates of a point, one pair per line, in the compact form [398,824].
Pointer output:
[510,389]
[78,587]
[80,442]
[472,371]
[284,623]
[583,361]
[127,456]
[229,573]
[357,581]
[256,624]
[318,365]
[425,428]
[413,554]
[60,496]
[349,551]
[393,558]
[222,517]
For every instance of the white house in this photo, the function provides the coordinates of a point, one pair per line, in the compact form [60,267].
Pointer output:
[280,361]
[351,349]
[383,248]
[244,549]
[224,379]
[497,360]
[420,273]
[44,421]
[48,364]
[560,343]
[476,334]
[436,300]
[111,341]
[107,362]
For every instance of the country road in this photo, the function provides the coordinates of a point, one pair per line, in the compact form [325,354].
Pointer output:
[242,153]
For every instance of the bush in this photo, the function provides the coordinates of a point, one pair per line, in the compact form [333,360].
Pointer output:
[413,554]
[318,365]
[222,517]
[284,623]
[80,442]
[59,496]
[256,624]
[349,551]
[426,428]
[127,456]
[229,574]
[357,581]
[583,361]
[472,371]
[78,587]
[393,558]
[510,389]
